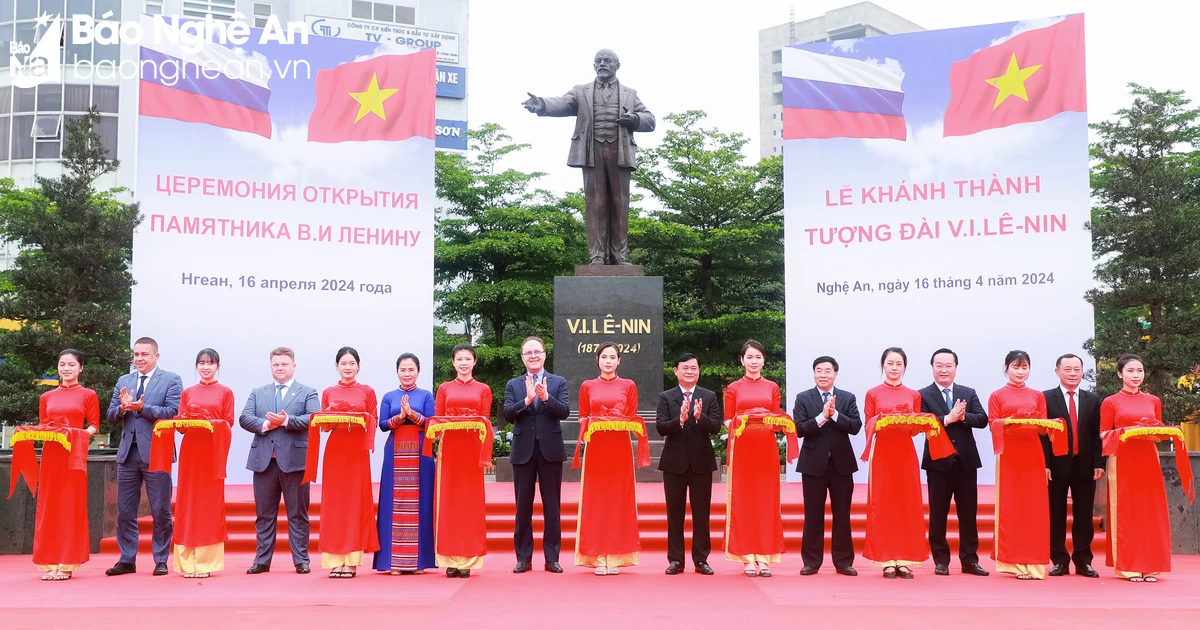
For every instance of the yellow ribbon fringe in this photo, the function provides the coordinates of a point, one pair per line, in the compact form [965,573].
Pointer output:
[332,420]
[170,425]
[772,421]
[1144,432]
[42,436]
[612,425]
[1046,424]
[934,429]
[469,425]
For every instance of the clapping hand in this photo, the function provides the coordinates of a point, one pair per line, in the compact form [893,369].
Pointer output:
[830,407]
[957,413]
[699,406]
[541,391]
[406,411]
[126,398]
[683,414]
[136,405]
[528,388]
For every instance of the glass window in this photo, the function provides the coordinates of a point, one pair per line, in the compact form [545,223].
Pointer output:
[27,9]
[104,6]
[6,15]
[75,53]
[777,56]
[22,141]
[5,101]
[384,12]
[107,128]
[4,138]
[360,9]
[262,9]
[76,98]
[406,15]
[46,126]
[25,33]
[25,100]
[52,8]
[49,97]
[6,36]
[153,8]
[104,97]
[107,52]
[48,149]
[79,6]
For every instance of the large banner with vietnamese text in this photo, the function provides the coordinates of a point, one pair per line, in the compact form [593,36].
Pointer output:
[288,197]
[936,195]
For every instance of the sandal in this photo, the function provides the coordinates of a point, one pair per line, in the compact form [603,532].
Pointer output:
[904,573]
[750,570]
[1137,578]
[189,575]
[601,569]
[889,573]
[1025,576]
[200,576]
[61,575]
[1147,578]
[764,572]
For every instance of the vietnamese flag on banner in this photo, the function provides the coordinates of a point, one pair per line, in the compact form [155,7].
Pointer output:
[385,98]
[1030,77]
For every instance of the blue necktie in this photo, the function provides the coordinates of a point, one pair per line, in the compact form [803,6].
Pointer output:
[537,378]
[949,402]
[278,398]
[825,398]
[141,390]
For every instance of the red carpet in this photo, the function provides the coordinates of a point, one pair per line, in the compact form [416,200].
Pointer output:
[652,513]
[641,597]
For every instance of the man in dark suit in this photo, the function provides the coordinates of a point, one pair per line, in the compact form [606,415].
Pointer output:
[278,415]
[536,404]
[140,399]
[1077,471]
[958,410]
[687,417]
[826,417]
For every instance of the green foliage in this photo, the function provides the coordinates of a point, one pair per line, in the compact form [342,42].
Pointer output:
[70,285]
[717,242]
[500,242]
[1146,238]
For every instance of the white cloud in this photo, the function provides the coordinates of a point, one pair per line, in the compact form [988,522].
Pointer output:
[1028,25]
[892,66]
[929,156]
[844,45]
[387,48]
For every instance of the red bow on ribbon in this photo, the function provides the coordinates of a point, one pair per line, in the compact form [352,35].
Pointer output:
[614,414]
[940,445]
[461,414]
[25,463]
[162,444]
[1112,441]
[762,416]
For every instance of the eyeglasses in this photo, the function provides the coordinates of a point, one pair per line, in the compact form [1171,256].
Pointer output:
[533,353]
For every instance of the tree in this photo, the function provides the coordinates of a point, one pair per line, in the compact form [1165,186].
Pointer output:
[1146,238]
[717,242]
[500,242]
[70,285]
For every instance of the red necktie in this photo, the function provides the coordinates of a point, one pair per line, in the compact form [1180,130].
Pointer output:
[1074,423]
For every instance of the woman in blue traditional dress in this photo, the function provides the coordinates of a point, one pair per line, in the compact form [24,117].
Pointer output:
[406,485]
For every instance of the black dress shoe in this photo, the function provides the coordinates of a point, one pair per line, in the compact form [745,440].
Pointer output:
[675,568]
[1086,571]
[160,568]
[121,568]
[973,568]
[521,567]
[703,569]
[554,567]
[464,573]
[809,571]
[255,569]
[1059,570]
[941,569]
[302,568]
[851,571]
[451,573]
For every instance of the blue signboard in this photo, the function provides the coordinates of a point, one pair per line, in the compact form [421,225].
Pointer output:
[451,81]
[451,134]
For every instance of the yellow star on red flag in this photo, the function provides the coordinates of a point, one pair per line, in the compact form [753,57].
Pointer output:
[371,101]
[1012,82]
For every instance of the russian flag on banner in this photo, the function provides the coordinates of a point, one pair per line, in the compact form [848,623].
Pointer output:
[825,96]
[178,85]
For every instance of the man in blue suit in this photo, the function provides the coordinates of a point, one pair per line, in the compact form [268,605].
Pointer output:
[278,415]
[139,399]
[536,404]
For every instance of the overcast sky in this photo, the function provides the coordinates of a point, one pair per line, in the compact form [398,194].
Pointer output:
[700,54]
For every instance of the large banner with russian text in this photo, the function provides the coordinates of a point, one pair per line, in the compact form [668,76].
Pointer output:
[936,196]
[288,196]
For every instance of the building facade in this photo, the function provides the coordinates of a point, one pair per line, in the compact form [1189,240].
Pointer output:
[33,119]
[864,19]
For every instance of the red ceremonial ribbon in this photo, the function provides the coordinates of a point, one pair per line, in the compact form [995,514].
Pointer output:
[1058,437]
[162,444]
[456,415]
[614,415]
[761,416]
[338,408]
[25,463]
[940,445]
[1112,440]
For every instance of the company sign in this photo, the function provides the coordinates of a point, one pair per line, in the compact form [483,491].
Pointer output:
[446,44]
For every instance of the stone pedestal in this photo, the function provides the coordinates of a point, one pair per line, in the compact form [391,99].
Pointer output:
[1185,519]
[17,514]
[626,310]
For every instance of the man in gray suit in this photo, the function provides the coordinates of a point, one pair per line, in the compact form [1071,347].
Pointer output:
[606,115]
[139,399]
[278,415]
